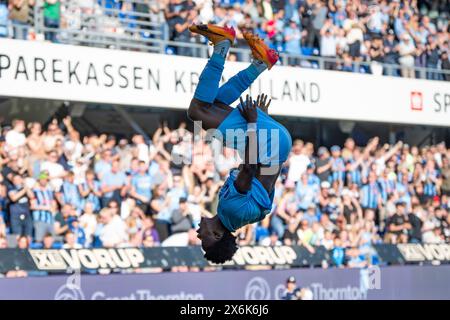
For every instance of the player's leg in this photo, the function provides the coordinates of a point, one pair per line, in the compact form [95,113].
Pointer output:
[202,107]
[263,58]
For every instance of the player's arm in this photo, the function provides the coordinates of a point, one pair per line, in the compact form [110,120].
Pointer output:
[249,168]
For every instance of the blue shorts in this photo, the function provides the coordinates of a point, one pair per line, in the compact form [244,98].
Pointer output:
[236,210]
[274,141]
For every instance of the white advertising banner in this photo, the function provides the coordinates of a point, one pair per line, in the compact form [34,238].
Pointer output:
[74,73]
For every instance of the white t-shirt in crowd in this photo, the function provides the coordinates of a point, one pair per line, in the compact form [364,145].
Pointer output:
[328,46]
[143,152]
[114,233]
[297,166]
[15,139]
[54,170]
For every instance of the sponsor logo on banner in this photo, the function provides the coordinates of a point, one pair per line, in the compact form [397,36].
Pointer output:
[425,252]
[257,289]
[259,255]
[71,290]
[38,70]
[87,258]
[416,101]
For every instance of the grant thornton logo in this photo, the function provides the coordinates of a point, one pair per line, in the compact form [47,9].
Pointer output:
[71,290]
[257,289]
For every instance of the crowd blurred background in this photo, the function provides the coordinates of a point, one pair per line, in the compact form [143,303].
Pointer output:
[350,35]
[61,189]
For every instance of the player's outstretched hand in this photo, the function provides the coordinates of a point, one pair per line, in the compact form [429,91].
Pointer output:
[248,109]
[261,102]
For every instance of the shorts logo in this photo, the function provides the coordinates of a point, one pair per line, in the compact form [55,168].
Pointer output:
[416,101]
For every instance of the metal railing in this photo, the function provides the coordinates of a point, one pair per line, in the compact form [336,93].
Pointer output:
[130,30]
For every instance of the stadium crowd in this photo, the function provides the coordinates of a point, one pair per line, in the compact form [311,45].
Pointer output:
[61,189]
[408,33]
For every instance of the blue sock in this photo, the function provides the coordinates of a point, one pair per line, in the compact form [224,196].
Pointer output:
[208,84]
[233,88]
[222,47]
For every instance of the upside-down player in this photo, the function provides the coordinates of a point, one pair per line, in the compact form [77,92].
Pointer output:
[247,194]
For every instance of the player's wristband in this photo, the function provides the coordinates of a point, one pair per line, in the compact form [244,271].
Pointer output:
[251,126]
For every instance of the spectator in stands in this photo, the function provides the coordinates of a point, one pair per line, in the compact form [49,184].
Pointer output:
[445,171]
[338,253]
[271,241]
[54,170]
[354,34]
[77,230]
[445,63]
[292,38]
[43,206]
[390,46]
[376,54]
[19,14]
[290,236]
[4,19]
[181,223]
[15,138]
[406,50]
[298,161]
[52,16]
[70,241]
[432,57]
[69,193]
[318,16]
[88,221]
[398,225]
[113,183]
[345,201]
[359,30]
[48,242]
[328,43]
[112,229]
[90,191]
[35,144]
[19,207]
[23,242]
[62,220]
[141,186]
[150,235]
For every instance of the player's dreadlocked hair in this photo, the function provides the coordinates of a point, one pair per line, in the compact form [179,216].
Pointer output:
[223,249]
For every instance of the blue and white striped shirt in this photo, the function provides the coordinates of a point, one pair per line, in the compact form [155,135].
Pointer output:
[337,169]
[387,186]
[43,198]
[370,195]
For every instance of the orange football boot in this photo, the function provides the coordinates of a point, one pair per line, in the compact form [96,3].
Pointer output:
[214,33]
[260,50]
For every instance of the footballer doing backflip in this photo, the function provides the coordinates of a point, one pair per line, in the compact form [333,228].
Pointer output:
[263,143]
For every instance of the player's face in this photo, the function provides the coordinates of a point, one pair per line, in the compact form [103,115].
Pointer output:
[207,233]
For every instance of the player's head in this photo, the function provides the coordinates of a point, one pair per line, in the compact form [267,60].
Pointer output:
[217,242]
